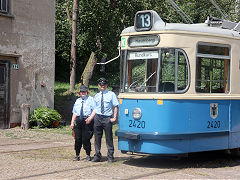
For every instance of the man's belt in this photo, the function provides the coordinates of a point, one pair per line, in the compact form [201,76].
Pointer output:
[103,116]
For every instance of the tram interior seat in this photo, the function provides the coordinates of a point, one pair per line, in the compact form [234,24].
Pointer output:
[166,87]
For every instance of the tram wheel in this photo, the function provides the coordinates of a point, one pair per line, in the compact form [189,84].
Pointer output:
[235,152]
[124,152]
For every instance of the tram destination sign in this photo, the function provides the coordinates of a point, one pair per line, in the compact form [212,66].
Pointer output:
[143,55]
[141,41]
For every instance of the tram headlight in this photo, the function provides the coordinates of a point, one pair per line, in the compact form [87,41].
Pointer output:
[136,113]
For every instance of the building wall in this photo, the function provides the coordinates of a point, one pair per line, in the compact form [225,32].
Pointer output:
[27,39]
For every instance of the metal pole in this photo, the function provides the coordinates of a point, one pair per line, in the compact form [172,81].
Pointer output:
[219,10]
[180,12]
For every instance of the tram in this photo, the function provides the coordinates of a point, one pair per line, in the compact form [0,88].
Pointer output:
[180,86]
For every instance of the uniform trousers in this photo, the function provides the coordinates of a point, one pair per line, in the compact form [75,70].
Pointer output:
[83,134]
[103,123]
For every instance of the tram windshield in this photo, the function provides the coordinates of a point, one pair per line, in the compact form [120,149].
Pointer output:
[163,70]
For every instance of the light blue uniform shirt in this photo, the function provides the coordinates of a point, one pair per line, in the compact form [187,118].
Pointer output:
[88,106]
[110,101]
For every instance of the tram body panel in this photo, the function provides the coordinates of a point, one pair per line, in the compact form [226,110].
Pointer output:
[201,120]
[235,124]
[235,116]
[175,126]
[157,118]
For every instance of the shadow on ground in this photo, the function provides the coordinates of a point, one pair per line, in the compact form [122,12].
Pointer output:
[214,159]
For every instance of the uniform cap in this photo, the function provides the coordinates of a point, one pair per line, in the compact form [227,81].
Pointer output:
[102,81]
[83,88]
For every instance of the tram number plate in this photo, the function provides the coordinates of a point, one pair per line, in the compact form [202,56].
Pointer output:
[213,124]
[137,124]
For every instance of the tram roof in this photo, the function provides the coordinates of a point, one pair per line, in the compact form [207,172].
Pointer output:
[200,28]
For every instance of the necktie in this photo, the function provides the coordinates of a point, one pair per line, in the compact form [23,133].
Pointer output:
[81,111]
[102,105]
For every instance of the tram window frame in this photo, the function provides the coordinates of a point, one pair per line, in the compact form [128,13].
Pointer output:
[149,65]
[179,85]
[212,68]
[123,65]
[173,86]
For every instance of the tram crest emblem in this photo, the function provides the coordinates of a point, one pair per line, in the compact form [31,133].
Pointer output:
[214,110]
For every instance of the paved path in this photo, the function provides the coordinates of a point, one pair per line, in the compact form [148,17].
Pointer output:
[49,156]
[8,145]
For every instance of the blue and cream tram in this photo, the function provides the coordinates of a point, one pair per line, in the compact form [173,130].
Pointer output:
[180,86]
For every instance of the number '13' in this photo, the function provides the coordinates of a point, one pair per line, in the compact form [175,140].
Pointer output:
[146,20]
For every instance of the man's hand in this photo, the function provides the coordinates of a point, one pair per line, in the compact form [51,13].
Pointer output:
[72,125]
[88,120]
[113,119]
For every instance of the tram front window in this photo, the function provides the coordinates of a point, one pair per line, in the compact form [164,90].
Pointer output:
[163,71]
[142,71]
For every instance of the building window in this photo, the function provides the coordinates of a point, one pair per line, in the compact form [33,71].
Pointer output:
[212,68]
[4,6]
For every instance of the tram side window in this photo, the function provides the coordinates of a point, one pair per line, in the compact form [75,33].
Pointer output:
[212,71]
[182,76]
[167,73]
[173,72]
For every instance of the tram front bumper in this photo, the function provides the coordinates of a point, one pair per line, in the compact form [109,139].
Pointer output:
[157,136]
[128,135]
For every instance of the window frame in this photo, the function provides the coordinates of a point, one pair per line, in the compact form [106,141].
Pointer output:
[176,51]
[7,8]
[213,56]
[125,71]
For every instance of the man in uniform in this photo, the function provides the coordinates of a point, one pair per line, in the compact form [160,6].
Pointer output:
[82,122]
[106,113]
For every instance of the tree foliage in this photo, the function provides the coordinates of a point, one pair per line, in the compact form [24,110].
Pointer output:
[100,23]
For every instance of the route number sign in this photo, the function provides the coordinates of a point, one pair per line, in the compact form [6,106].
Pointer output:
[143,21]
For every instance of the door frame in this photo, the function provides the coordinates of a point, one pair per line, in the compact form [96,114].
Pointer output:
[7,63]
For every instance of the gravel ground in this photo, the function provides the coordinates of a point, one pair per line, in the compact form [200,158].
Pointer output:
[38,155]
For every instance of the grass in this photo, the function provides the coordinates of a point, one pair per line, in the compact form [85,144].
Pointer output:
[65,130]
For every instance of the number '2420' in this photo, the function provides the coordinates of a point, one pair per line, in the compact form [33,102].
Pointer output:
[137,124]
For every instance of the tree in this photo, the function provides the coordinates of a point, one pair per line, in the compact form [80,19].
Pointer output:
[63,40]
[73,45]
[100,23]
[237,11]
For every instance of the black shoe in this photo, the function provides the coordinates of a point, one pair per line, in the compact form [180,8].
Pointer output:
[96,159]
[110,160]
[88,158]
[77,158]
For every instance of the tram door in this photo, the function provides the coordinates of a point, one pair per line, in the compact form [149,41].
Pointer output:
[4,101]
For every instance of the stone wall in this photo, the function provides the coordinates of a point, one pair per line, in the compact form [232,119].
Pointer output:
[27,37]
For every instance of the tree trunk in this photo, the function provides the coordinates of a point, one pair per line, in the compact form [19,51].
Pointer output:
[88,70]
[25,116]
[73,46]
[237,11]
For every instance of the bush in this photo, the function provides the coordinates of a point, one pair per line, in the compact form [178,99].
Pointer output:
[44,117]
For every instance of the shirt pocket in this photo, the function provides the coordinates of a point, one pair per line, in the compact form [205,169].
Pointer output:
[98,100]
[107,100]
